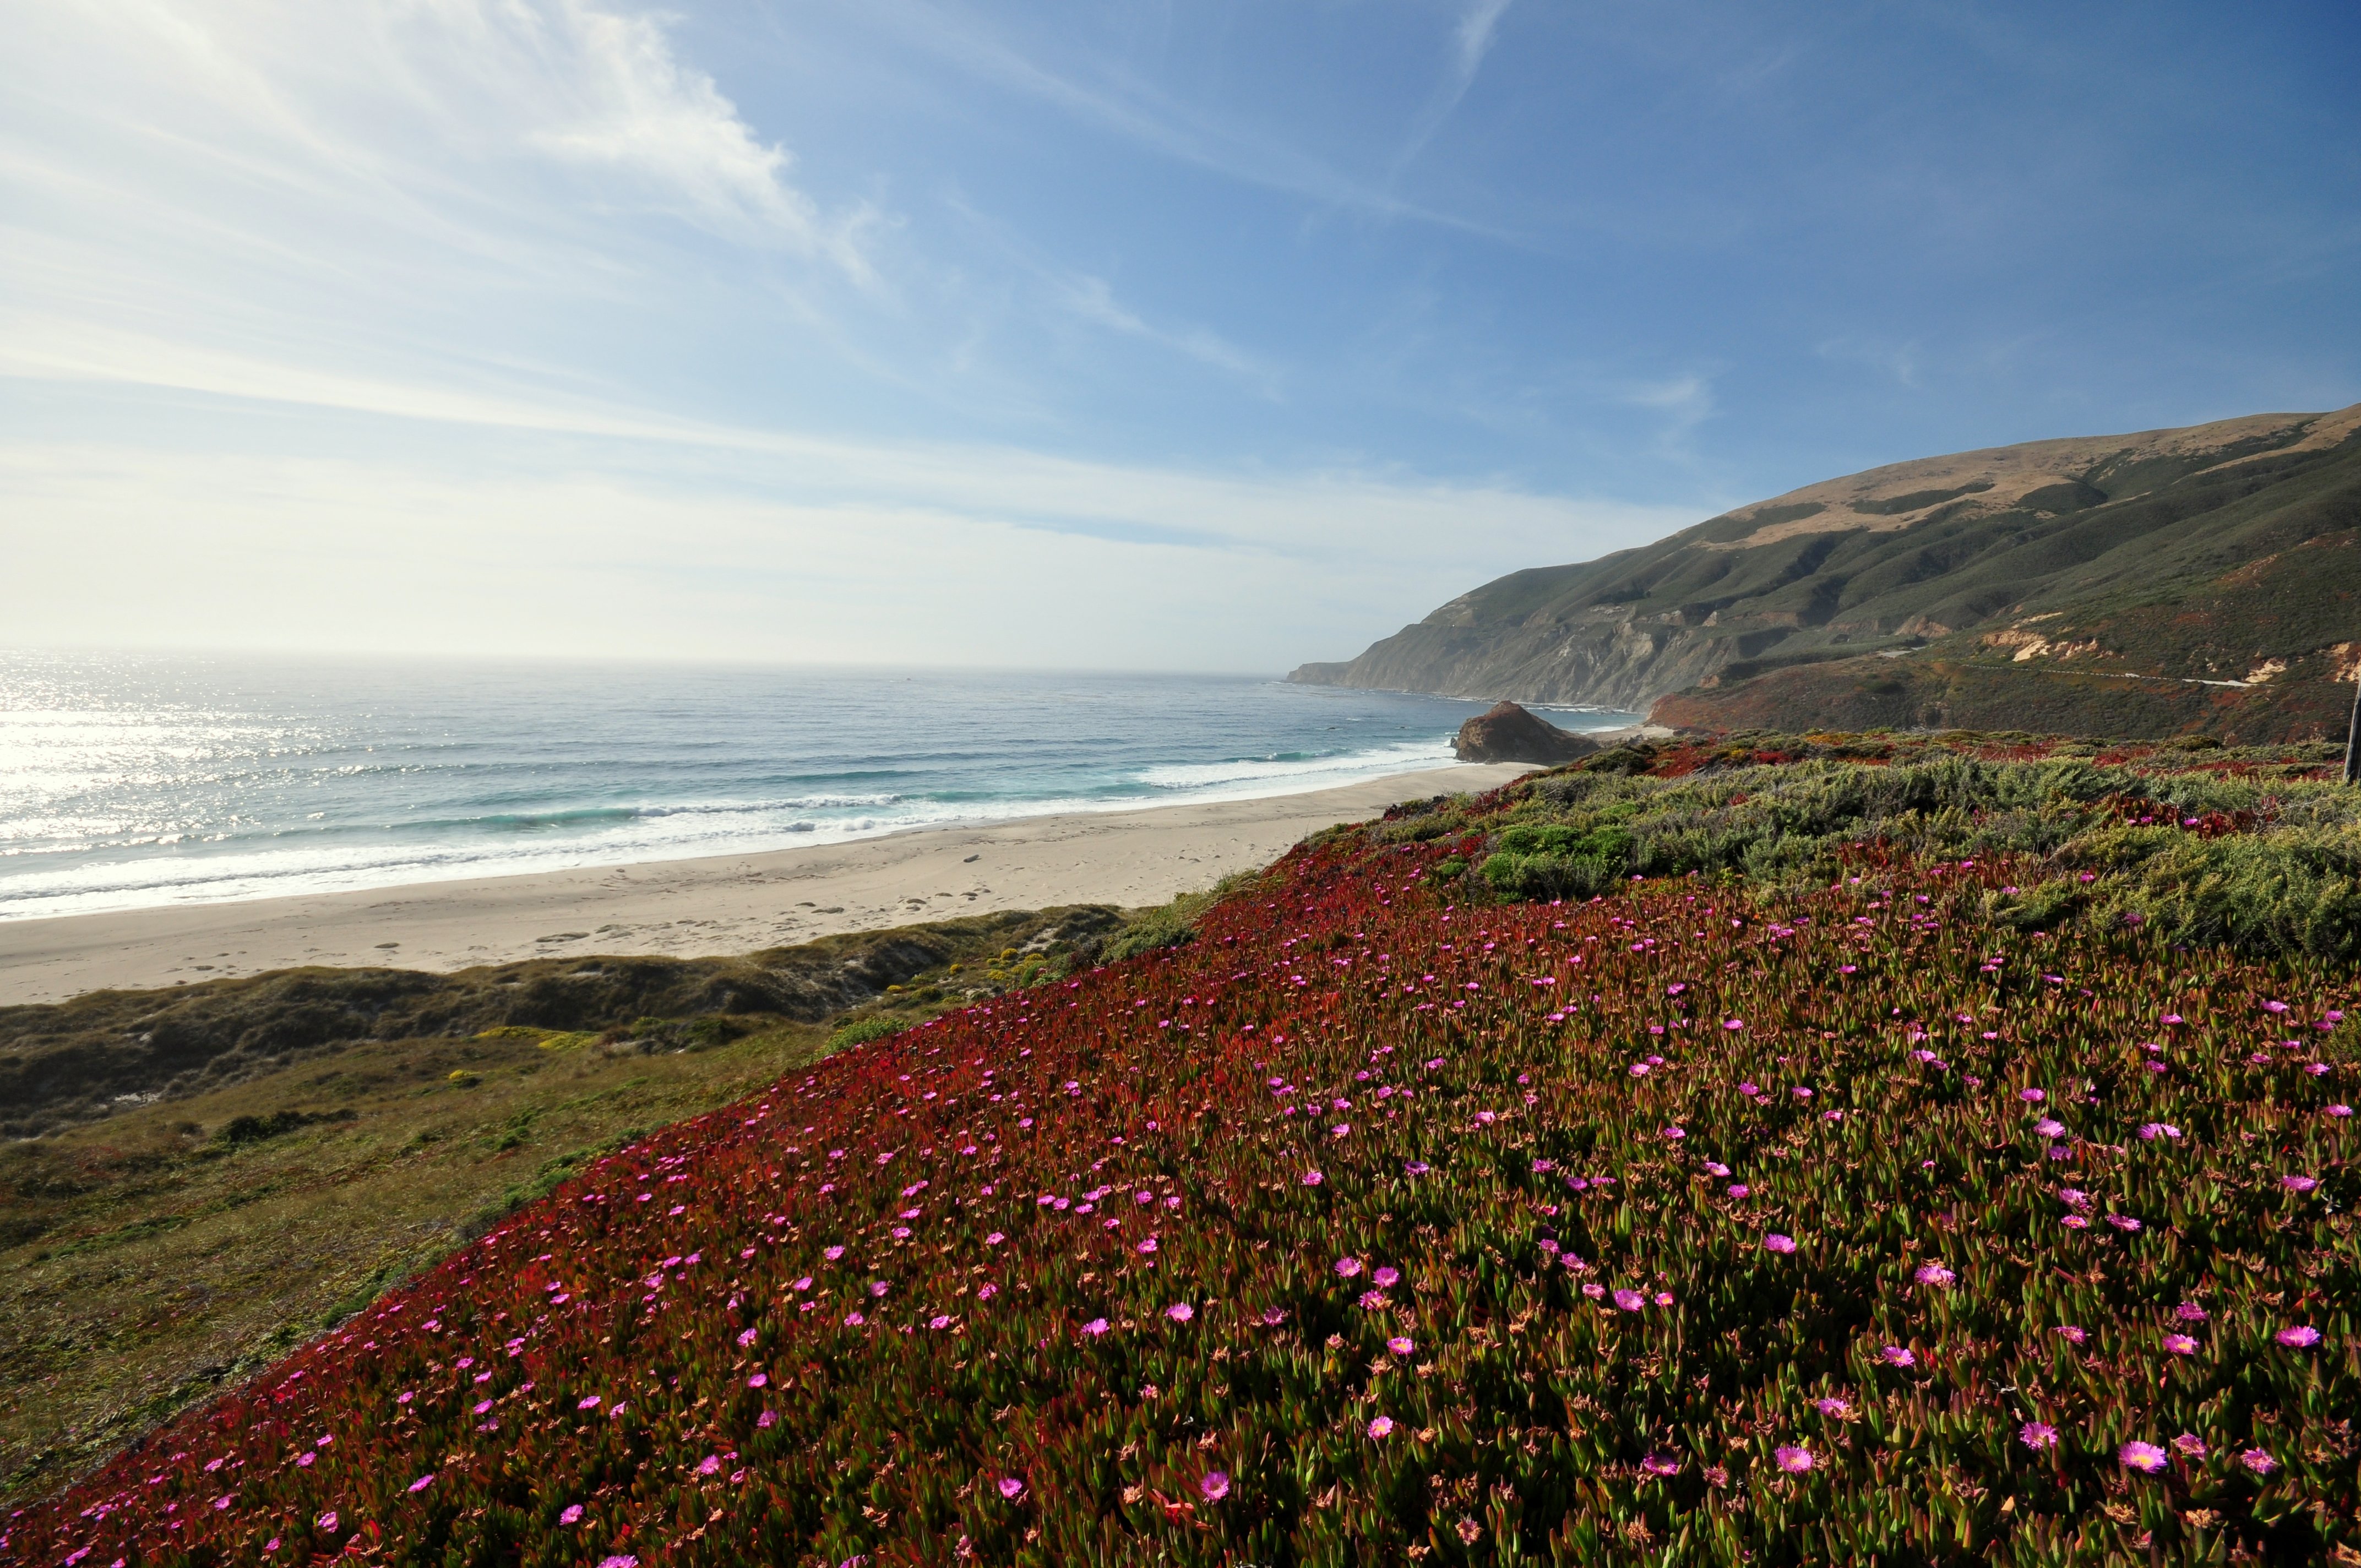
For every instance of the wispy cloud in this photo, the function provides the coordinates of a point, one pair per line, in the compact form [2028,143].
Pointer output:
[1897,361]
[1683,404]
[1471,40]
[616,98]
[1112,100]
[1093,299]
[453,120]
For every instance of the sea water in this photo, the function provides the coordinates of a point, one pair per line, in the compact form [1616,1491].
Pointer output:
[129,779]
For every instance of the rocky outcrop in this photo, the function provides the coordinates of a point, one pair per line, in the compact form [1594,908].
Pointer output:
[1507,733]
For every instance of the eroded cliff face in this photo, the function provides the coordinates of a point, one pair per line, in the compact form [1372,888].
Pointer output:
[1885,562]
[1601,660]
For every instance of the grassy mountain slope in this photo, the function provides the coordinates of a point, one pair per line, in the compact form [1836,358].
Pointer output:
[1828,1194]
[2223,552]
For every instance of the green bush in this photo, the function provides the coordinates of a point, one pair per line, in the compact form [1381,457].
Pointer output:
[2274,866]
[863,1030]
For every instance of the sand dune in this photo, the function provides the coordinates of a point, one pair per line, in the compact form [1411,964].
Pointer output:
[722,904]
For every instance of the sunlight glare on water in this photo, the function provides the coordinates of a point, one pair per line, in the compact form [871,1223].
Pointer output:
[130,780]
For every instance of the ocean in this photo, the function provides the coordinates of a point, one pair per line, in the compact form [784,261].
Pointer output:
[129,780]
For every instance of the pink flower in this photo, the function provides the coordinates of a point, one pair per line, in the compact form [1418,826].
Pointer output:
[759,1380]
[1400,1345]
[1095,1327]
[2257,1461]
[2032,1096]
[1897,1356]
[1348,1267]
[2037,1435]
[1147,1247]
[2303,1336]
[1839,1409]
[1382,1426]
[1313,1178]
[1674,1133]
[1011,1488]
[2190,1445]
[709,1465]
[1658,1464]
[2180,1344]
[1933,1274]
[2190,1312]
[854,1319]
[327,1522]
[422,1482]
[1630,1300]
[2298,1183]
[2070,1333]
[1794,1460]
[994,1239]
[1181,1312]
[2143,1457]
[1385,1277]
[1739,1189]
[1215,1485]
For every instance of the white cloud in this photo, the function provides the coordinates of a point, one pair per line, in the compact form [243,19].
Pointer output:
[924,555]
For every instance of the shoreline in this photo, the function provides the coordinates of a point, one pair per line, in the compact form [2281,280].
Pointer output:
[706,906]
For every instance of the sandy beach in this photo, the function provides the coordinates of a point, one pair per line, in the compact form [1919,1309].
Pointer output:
[722,903]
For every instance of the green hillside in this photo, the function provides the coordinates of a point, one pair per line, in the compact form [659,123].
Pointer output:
[2197,578]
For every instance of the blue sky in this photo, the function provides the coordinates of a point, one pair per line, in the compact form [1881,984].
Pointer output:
[1216,335]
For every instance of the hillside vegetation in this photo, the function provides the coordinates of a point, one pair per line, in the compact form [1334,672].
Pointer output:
[2142,585]
[230,1167]
[1810,1198]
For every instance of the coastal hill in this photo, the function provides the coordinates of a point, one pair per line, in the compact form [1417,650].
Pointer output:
[2144,585]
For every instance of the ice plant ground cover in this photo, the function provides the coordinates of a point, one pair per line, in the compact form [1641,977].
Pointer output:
[1694,1223]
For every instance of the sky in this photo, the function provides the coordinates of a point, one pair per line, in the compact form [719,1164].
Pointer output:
[1214,337]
